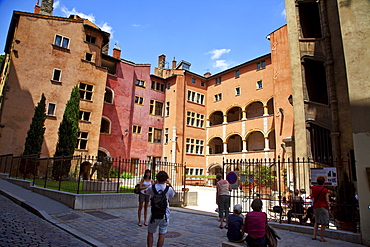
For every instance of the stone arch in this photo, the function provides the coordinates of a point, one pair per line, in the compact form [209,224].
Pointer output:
[234,114]
[270,106]
[216,145]
[255,140]
[254,109]
[234,143]
[216,118]
[105,126]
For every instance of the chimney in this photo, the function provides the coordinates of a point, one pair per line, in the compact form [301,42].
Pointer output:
[36,10]
[161,64]
[174,63]
[207,74]
[117,52]
[47,7]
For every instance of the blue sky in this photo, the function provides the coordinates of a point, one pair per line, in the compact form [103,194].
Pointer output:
[212,35]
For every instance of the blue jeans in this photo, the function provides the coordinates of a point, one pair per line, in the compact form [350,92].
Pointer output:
[223,206]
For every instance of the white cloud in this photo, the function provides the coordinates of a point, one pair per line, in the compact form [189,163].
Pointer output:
[283,13]
[217,53]
[56,4]
[221,64]
[68,12]
[136,25]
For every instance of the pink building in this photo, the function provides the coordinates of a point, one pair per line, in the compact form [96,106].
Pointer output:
[132,119]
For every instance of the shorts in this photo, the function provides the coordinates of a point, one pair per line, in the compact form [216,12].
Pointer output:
[162,223]
[143,197]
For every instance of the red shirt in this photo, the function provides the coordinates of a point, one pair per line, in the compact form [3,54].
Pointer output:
[255,224]
[321,200]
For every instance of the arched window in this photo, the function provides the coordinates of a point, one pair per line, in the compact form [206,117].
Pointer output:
[234,144]
[216,118]
[105,126]
[108,96]
[256,141]
[216,146]
[234,114]
[255,110]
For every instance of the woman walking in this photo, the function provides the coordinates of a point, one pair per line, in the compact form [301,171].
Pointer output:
[223,199]
[145,182]
[320,197]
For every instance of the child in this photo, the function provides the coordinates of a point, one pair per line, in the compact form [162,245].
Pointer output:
[234,232]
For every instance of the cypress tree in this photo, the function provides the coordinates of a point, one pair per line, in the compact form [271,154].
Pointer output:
[35,137]
[67,135]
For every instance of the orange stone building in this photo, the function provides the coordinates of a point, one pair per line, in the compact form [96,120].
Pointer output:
[240,113]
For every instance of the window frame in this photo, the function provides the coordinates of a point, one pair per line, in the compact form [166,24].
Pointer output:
[86,91]
[62,39]
[109,126]
[153,134]
[167,109]
[194,146]
[80,139]
[140,83]
[218,97]
[237,73]
[89,38]
[136,129]
[59,77]
[195,97]
[158,86]
[194,119]
[81,116]
[139,99]
[218,80]
[238,91]
[153,108]
[54,110]
[259,84]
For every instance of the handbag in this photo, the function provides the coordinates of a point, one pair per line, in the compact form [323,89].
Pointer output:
[272,237]
[137,189]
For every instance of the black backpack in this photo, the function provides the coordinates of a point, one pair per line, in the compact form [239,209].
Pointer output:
[159,204]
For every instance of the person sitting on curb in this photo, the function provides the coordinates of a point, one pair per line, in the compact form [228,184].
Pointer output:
[234,232]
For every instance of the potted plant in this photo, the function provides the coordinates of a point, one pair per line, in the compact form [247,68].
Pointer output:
[345,208]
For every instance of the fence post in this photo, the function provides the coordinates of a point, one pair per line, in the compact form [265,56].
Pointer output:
[119,174]
[279,187]
[34,171]
[79,177]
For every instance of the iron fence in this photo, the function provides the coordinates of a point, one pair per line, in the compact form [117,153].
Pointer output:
[77,174]
[275,182]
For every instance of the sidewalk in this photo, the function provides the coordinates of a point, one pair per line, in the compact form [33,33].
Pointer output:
[117,227]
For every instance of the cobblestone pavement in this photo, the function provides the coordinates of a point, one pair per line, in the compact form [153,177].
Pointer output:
[117,227]
[19,227]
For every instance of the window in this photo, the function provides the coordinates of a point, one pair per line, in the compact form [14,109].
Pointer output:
[237,91]
[218,80]
[194,171]
[154,135]
[61,41]
[202,83]
[156,108]
[108,96]
[86,91]
[309,18]
[140,83]
[136,129]
[57,75]
[195,119]
[139,100]
[195,97]
[88,57]
[193,80]
[168,85]
[90,39]
[82,140]
[51,109]
[84,116]
[237,74]
[218,97]
[158,86]
[259,84]
[166,136]
[261,65]
[105,126]
[194,146]
[167,109]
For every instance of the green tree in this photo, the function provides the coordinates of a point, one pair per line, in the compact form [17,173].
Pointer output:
[35,137]
[67,135]
[2,57]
